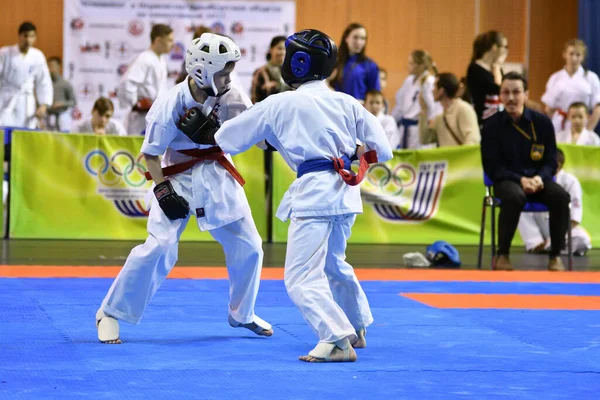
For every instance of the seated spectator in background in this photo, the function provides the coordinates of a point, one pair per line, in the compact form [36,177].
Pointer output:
[383,80]
[421,77]
[354,73]
[197,33]
[577,132]
[457,125]
[101,122]
[267,79]
[484,74]
[534,228]
[518,152]
[374,103]
[59,113]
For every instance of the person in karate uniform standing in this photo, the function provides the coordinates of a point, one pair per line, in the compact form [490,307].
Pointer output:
[25,85]
[572,84]
[316,131]
[146,79]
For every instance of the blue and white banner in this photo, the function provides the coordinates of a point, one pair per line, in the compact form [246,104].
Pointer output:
[102,37]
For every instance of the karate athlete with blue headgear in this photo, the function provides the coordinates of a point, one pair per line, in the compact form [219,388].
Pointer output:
[195,178]
[316,131]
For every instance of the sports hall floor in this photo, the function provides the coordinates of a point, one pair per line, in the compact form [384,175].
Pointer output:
[438,334]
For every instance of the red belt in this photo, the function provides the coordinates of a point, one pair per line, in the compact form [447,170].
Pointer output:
[367,158]
[210,154]
[564,116]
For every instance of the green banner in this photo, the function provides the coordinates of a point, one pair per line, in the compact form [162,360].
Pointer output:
[72,186]
[421,196]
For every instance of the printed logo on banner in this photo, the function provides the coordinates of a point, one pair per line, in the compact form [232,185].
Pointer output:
[237,28]
[401,193]
[173,73]
[122,49]
[218,28]
[178,52]
[76,113]
[87,91]
[121,180]
[112,94]
[135,27]
[90,47]
[77,24]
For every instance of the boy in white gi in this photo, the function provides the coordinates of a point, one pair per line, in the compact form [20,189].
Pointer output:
[198,179]
[316,130]
[534,228]
[577,133]
[146,79]
[24,78]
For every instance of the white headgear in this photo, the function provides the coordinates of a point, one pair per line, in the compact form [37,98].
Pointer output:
[208,55]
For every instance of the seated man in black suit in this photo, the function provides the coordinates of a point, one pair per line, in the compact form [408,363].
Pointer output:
[518,151]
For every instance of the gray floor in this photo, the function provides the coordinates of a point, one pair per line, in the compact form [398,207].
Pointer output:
[88,252]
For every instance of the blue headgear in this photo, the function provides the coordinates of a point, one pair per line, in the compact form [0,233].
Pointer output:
[309,55]
[443,254]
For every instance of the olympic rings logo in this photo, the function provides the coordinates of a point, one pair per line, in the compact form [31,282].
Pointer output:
[120,167]
[393,180]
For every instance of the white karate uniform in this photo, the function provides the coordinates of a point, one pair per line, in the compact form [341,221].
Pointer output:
[388,123]
[407,109]
[22,79]
[563,90]
[534,228]
[314,122]
[145,77]
[586,138]
[214,196]
[113,127]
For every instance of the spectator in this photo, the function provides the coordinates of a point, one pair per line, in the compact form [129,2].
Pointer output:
[572,84]
[518,151]
[59,113]
[197,33]
[146,79]
[267,79]
[457,125]
[484,74]
[534,228]
[354,73]
[374,103]
[25,83]
[101,122]
[421,77]
[383,80]
[577,133]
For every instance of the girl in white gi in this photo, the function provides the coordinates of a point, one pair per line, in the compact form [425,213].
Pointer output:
[534,228]
[572,84]
[577,133]
[316,131]
[406,111]
[24,78]
[202,180]
[146,79]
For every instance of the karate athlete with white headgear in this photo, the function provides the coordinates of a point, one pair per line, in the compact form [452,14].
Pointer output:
[195,178]
[316,131]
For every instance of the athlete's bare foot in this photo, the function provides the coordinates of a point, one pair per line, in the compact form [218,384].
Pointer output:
[361,340]
[336,355]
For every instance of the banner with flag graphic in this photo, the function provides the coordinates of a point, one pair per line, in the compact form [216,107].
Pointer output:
[72,186]
[421,196]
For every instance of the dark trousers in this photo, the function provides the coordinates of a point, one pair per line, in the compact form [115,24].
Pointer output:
[513,199]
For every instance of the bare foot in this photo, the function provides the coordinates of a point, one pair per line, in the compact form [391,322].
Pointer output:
[117,341]
[336,355]
[361,340]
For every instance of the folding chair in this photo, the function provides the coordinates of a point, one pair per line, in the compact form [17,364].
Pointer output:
[493,202]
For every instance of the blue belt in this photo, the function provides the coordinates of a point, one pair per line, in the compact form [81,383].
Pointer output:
[406,123]
[320,165]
